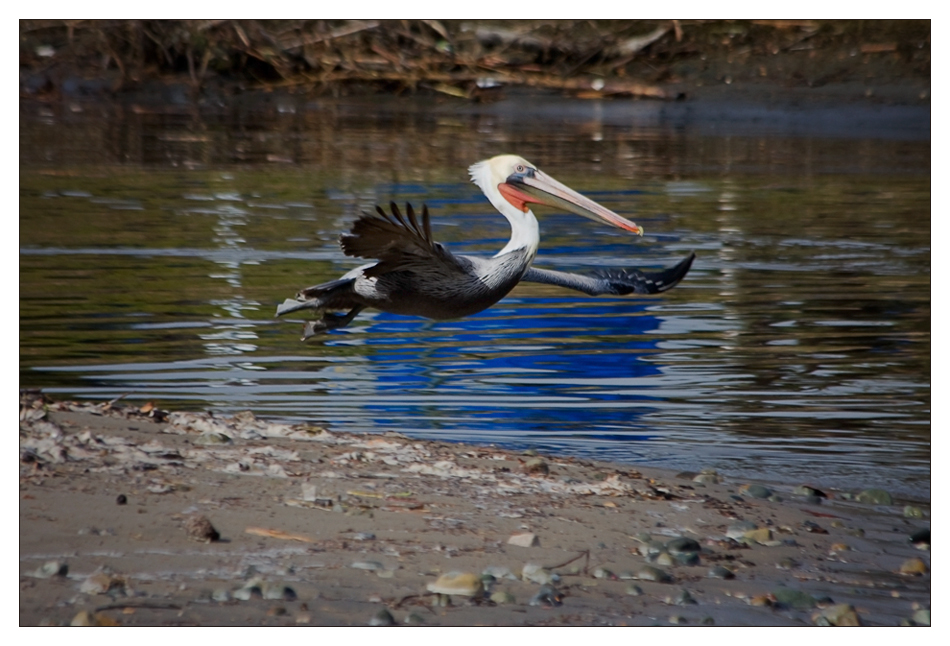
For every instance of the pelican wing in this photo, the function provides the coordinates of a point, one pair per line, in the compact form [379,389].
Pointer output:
[397,242]
[614,281]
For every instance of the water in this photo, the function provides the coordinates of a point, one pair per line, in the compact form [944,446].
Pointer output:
[157,240]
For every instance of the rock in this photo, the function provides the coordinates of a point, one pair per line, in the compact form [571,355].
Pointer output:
[501,597]
[720,572]
[650,573]
[921,617]
[526,539]
[840,547]
[762,535]
[367,565]
[86,618]
[50,569]
[364,536]
[663,558]
[914,567]
[382,618]
[200,529]
[548,595]
[212,438]
[499,572]
[755,491]
[794,598]
[684,550]
[221,594]
[633,590]
[913,512]
[787,563]
[102,582]
[678,620]
[738,530]
[466,584]
[809,492]
[921,538]
[604,573]
[538,574]
[840,614]
[684,598]
[536,465]
[414,619]
[121,499]
[278,591]
[875,497]
[708,476]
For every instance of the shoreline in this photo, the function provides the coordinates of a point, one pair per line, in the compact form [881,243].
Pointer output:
[324,528]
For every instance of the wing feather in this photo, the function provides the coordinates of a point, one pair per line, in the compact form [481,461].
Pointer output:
[398,242]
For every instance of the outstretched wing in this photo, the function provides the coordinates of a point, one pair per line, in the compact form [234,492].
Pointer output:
[614,281]
[397,242]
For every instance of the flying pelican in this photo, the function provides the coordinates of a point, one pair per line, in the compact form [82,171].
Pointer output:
[415,275]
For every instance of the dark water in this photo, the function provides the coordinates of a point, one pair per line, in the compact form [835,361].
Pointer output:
[156,242]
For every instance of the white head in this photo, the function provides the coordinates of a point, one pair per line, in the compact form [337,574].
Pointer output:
[511,183]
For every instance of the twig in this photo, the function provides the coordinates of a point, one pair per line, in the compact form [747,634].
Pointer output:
[585,554]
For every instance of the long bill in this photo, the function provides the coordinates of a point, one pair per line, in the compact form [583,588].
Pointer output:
[540,188]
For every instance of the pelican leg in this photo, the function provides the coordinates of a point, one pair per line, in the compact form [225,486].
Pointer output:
[330,321]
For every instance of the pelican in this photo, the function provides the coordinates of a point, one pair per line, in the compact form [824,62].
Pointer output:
[412,274]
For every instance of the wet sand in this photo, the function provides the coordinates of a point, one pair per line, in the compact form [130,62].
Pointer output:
[296,507]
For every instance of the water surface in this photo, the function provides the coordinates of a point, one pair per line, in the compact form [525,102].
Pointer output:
[156,242]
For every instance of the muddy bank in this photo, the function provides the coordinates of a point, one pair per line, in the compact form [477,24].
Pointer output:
[136,517]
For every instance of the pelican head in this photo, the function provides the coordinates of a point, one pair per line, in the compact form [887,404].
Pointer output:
[512,183]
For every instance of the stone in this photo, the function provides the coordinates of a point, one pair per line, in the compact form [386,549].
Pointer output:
[382,618]
[526,539]
[913,512]
[501,597]
[755,491]
[538,574]
[794,598]
[875,497]
[914,567]
[466,584]
[650,573]
[841,614]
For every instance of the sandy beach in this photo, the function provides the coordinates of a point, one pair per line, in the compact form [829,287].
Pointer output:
[135,516]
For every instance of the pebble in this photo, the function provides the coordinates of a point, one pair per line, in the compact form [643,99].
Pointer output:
[121,499]
[499,572]
[536,465]
[663,558]
[538,574]
[708,476]
[809,492]
[755,490]
[213,438]
[466,584]
[86,618]
[650,573]
[501,597]
[221,594]
[913,512]
[604,573]
[914,566]
[415,619]
[548,595]
[787,563]
[840,547]
[278,591]
[739,530]
[526,539]
[678,620]
[248,592]
[794,598]
[841,614]
[200,529]
[921,617]
[102,583]
[921,538]
[364,536]
[762,535]
[367,565]
[875,497]
[720,572]
[633,590]
[51,569]
[684,598]
[382,618]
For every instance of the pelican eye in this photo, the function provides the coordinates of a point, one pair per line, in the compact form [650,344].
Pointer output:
[519,168]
